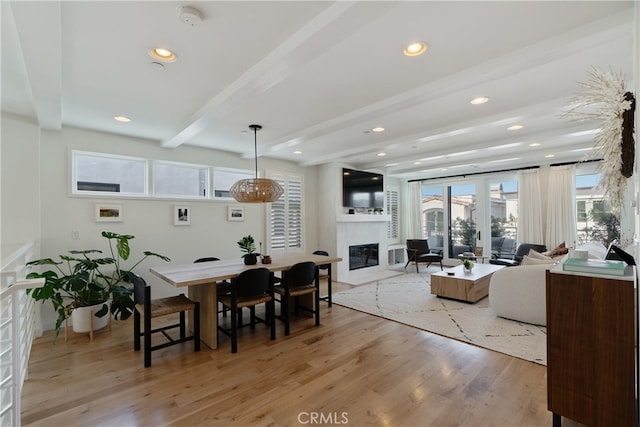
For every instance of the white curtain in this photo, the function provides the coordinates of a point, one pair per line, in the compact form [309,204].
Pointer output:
[414,210]
[561,206]
[529,210]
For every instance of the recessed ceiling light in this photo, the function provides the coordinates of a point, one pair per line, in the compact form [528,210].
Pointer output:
[297,152]
[417,163]
[503,146]
[426,159]
[390,165]
[381,154]
[162,54]
[515,127]
[548,156]
[535,144]
[378,129]
[415,49]
[505,160]
[122,119]
[479,100]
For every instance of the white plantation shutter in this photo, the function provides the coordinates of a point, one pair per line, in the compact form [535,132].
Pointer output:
[285,217]
[393,230]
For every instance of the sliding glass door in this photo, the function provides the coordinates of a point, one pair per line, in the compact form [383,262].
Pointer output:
[478,215]
[462,219]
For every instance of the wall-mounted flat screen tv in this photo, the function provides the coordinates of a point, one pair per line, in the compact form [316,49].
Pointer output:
[362,189]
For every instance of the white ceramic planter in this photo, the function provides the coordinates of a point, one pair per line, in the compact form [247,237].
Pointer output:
[81,318]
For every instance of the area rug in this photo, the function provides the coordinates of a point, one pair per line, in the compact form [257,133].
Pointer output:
[407,299]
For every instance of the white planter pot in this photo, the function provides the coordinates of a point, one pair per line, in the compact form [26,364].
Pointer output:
[82,317]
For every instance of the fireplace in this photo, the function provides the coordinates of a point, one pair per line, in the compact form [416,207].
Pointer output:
[363,256]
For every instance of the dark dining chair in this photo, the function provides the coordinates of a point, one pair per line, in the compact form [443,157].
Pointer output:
[326,267]
[248,289]
[300,279]
[222,288]
[147,309]
[418,251]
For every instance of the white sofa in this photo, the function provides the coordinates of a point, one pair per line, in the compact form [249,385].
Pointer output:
[519,293]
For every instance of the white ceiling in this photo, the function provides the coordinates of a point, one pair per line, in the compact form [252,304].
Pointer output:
[320,75]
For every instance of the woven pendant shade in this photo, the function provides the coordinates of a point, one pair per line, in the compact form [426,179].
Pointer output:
[256,190]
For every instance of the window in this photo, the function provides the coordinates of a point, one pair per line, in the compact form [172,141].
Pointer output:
[595,220]
[176,179]
[103,173]
[503,195]
[108,174]
[433,211]
[223,179]
[462,218]
[286,227]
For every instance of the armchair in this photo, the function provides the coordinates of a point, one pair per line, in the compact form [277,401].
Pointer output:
[418,251]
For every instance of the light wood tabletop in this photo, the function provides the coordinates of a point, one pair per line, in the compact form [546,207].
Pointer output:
[200,279]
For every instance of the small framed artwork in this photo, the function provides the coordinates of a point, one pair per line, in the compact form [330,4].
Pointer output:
[235,213]
[108,213]
[182,215]
[478,251]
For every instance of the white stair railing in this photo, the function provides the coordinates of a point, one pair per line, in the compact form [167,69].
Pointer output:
[17,331]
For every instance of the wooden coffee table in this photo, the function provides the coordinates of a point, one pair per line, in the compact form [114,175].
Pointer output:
[469,287]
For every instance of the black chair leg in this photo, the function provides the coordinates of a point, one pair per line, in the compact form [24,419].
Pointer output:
[271,313]
[317,300]
[136,330]
[329,284]
[183,329]
[196,326]
[147,341]
[234,329]
[284,308]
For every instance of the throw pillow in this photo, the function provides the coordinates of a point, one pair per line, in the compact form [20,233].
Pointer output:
[527,260]
[537,255]
[561,249]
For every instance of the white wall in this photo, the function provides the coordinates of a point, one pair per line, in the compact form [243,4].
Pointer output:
[19,178]
[150,220]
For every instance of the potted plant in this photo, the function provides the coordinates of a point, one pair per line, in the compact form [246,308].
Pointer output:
[467,264]
[84,282]
[248,244]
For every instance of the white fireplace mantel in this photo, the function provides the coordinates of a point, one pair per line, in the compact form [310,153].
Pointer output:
[361,230]
[363,218]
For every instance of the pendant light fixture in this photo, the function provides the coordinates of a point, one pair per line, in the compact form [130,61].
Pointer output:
[256,190]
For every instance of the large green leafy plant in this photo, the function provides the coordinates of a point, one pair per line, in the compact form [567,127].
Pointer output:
[84,279]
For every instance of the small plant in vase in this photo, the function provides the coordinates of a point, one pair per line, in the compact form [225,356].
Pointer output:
[248,245]
[467,264]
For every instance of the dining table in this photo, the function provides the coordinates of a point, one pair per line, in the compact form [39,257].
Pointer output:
[200,280]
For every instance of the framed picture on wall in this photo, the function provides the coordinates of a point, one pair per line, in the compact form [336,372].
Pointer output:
[108,213]
[182,215]
[235,213]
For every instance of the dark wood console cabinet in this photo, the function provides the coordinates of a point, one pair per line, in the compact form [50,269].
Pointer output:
[591,361]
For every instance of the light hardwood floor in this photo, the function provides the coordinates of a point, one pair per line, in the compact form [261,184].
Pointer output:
[355,369]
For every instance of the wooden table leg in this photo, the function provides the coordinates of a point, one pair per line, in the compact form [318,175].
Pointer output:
[207,296]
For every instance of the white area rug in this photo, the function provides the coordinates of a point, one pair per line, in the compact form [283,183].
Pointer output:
[407,299]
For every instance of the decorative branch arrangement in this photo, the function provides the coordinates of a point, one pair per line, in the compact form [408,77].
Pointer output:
[606,99]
